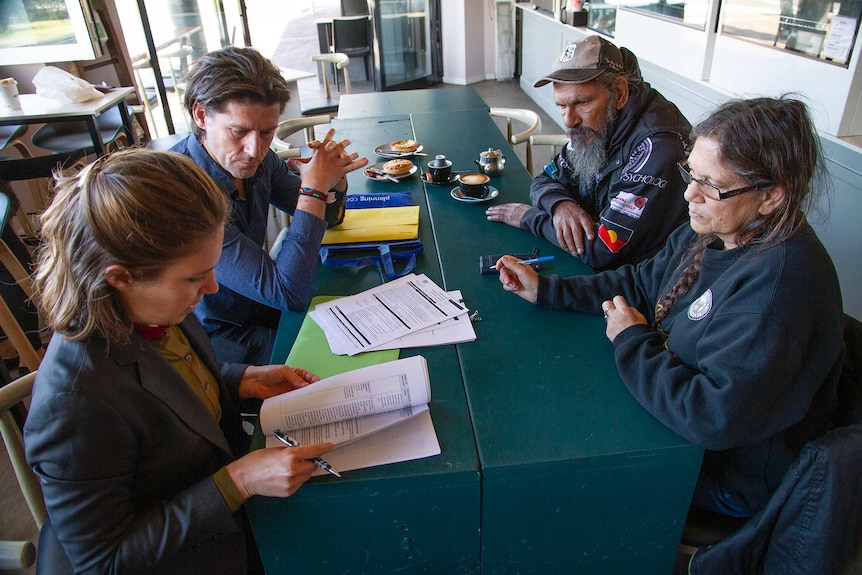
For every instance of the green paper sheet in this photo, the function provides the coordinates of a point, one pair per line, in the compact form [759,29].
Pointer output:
[309,350]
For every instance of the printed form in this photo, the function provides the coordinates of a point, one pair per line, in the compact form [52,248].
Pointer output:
[374,317]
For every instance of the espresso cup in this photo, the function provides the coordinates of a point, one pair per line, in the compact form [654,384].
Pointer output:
[474,185]
[440,169]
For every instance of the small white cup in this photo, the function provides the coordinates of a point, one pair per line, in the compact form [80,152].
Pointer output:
[9,94]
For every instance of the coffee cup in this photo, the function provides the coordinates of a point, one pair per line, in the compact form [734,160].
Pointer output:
[440,169]
[335,205]
[474,185]
[9,94]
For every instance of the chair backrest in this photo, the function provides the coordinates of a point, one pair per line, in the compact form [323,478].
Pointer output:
[354,7]
[528,117]
[351,35]
[555,141]
[292,126]
[13,396]
[341,61]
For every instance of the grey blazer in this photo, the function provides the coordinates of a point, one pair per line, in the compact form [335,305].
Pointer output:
[125,451]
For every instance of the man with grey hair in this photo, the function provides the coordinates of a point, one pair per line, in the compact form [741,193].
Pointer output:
[614,193]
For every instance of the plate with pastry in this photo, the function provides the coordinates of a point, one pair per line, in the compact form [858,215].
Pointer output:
[398,149]
[393,170]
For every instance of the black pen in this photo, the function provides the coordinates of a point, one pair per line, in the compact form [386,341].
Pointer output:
[294,443]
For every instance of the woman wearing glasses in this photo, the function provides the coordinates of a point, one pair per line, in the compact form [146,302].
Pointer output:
[732,334]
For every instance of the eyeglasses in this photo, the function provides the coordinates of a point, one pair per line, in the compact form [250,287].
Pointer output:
[702,185]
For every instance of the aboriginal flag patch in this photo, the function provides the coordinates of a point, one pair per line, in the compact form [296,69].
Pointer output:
[614,236]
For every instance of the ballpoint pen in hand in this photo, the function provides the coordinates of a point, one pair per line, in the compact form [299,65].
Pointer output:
[535,260]
[294,443]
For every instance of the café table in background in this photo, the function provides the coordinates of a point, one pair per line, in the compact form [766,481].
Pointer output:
[38,110]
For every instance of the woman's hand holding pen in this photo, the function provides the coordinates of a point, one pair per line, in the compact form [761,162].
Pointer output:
[265,381]
[275,471]
[522,280]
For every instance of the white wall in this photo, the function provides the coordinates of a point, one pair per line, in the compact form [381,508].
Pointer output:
[469,52]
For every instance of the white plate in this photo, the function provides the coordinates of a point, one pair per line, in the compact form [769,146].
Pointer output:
[456,193]
[381,178]
[385,151]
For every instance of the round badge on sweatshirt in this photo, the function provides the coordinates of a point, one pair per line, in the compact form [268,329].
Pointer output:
[700,307]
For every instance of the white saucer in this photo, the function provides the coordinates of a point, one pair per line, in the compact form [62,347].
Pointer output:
[381,178]
[386,151]
[456,193]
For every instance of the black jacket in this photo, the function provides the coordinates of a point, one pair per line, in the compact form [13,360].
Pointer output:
[638,198]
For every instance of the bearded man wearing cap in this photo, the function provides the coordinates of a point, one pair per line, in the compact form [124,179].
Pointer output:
[614,193]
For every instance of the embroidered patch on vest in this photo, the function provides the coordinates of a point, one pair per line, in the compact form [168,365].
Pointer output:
[614,236]
[700,307]
[629,204]
[640,156]
[551,169]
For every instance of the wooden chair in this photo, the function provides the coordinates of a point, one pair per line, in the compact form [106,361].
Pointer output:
[285,129]
[528,117]
[28,355]
[555,141]
[286,150]
[20,554]
[328,104]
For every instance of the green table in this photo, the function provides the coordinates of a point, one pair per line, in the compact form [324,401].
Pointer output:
[410,102]
[411,517]
[575,476]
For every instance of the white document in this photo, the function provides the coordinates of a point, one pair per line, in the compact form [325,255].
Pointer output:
[375,415]
[369,319]
[458,329]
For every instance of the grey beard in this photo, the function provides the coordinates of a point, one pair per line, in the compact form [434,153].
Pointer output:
[587,160]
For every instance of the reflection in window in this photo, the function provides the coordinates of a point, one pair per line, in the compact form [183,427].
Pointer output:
[603,18]
[29,23]
[817,28]
[690,12]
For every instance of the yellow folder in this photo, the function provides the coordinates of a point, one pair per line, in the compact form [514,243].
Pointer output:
[375,225]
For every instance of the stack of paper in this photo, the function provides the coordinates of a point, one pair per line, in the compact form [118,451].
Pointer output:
[411,311]
[375,224]
[374,415]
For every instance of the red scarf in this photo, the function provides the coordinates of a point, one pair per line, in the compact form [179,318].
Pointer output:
[151,332]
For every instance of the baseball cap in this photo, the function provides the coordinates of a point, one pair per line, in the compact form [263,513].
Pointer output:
[583,61]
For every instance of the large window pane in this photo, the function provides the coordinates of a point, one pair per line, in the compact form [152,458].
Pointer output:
[816,28]
[690,12]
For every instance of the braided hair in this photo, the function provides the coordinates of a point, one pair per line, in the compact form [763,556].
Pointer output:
[762,140]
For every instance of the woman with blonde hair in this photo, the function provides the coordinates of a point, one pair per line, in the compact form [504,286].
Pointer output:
[134,428]
[732,334]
